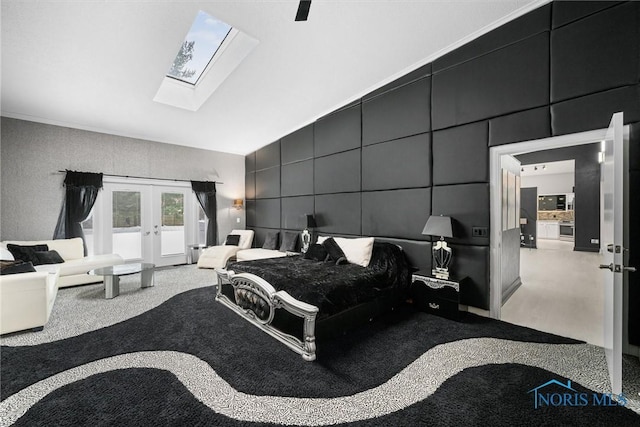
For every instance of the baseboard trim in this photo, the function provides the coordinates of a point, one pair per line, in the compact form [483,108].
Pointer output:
[509,290]
[581,249]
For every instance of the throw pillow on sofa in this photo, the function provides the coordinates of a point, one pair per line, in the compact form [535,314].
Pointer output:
[49,257]
[232,240]
[26,253]
[15,267]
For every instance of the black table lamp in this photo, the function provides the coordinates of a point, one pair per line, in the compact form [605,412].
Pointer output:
[442,255]
[310,222]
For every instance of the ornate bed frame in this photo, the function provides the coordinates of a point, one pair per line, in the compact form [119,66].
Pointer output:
[258,302]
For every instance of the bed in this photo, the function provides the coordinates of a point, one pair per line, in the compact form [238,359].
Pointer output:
[293,299]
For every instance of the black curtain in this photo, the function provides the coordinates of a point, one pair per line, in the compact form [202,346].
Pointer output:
[81,193]
[206,194]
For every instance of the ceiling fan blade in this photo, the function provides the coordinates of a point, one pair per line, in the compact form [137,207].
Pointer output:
[303,10]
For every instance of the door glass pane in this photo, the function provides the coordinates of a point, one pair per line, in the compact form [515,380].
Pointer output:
[127,233]
[172,240]
[87,229]
[202,226]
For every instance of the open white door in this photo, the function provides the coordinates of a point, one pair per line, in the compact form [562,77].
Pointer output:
[611,248]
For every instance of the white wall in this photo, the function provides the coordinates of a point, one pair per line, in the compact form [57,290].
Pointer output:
[32,153]
[558,183]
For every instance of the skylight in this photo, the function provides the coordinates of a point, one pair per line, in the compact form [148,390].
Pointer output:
[199,47]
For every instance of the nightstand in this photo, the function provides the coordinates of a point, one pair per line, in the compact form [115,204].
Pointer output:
[436,296]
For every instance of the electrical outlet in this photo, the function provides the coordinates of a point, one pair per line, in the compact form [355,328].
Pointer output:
[595,241]
[479,231]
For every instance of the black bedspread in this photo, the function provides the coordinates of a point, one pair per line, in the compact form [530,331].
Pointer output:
[334,288]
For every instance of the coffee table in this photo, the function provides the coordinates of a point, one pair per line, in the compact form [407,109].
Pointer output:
[112,276]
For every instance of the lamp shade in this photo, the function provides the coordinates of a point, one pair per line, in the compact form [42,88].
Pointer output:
[438,226]
[310,221]
[237,203]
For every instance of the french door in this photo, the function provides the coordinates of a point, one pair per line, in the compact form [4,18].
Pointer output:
[146,222]
[612,250]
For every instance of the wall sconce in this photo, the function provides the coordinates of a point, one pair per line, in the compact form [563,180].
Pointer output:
[237,203]
[442,255]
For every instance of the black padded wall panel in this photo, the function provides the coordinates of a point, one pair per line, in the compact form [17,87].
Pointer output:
[338,132]
[269,156]
[472,262]
[268,213]
[268,183]
[634,147]
[297,146]
[518,29]
[634,252]
[380,213]
[522,126]
[505,81]
[565,12]
[337,173]
[398,113]
[294,210]
[297,178]
[418,253]
[468,206]
[250,212]
[338,213]
[595,111]
[250,162]
[597,53]
[401,163]
[414,75]
[250,185]
[449,166]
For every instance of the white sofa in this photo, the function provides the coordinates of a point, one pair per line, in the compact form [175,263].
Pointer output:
[73,271]
[26,300]
[218,256]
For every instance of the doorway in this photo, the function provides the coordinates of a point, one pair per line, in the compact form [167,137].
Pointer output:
[614,215]
[145,221]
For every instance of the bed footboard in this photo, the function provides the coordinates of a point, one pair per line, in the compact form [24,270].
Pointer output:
[257,301]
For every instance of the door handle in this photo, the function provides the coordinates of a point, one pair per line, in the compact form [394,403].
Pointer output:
[147,233]
[629,269]
[610,266]
[155,232]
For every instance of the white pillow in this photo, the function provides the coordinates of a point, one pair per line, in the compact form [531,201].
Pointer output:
[321,239]
[5,255]
[358,251]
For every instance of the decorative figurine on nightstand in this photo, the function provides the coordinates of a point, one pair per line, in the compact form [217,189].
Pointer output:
[310,222]
[442,254]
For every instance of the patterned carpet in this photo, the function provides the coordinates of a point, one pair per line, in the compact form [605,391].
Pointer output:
[171,355]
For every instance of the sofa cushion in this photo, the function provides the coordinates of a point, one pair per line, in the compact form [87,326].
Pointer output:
[26,253]
[16,267]
[48,257]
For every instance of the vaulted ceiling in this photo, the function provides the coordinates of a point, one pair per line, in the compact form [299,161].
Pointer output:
[97,65]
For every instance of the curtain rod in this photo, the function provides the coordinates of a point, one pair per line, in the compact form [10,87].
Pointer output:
[146,177]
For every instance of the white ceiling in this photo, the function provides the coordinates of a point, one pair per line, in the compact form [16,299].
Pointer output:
[97,65]
[549,168]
